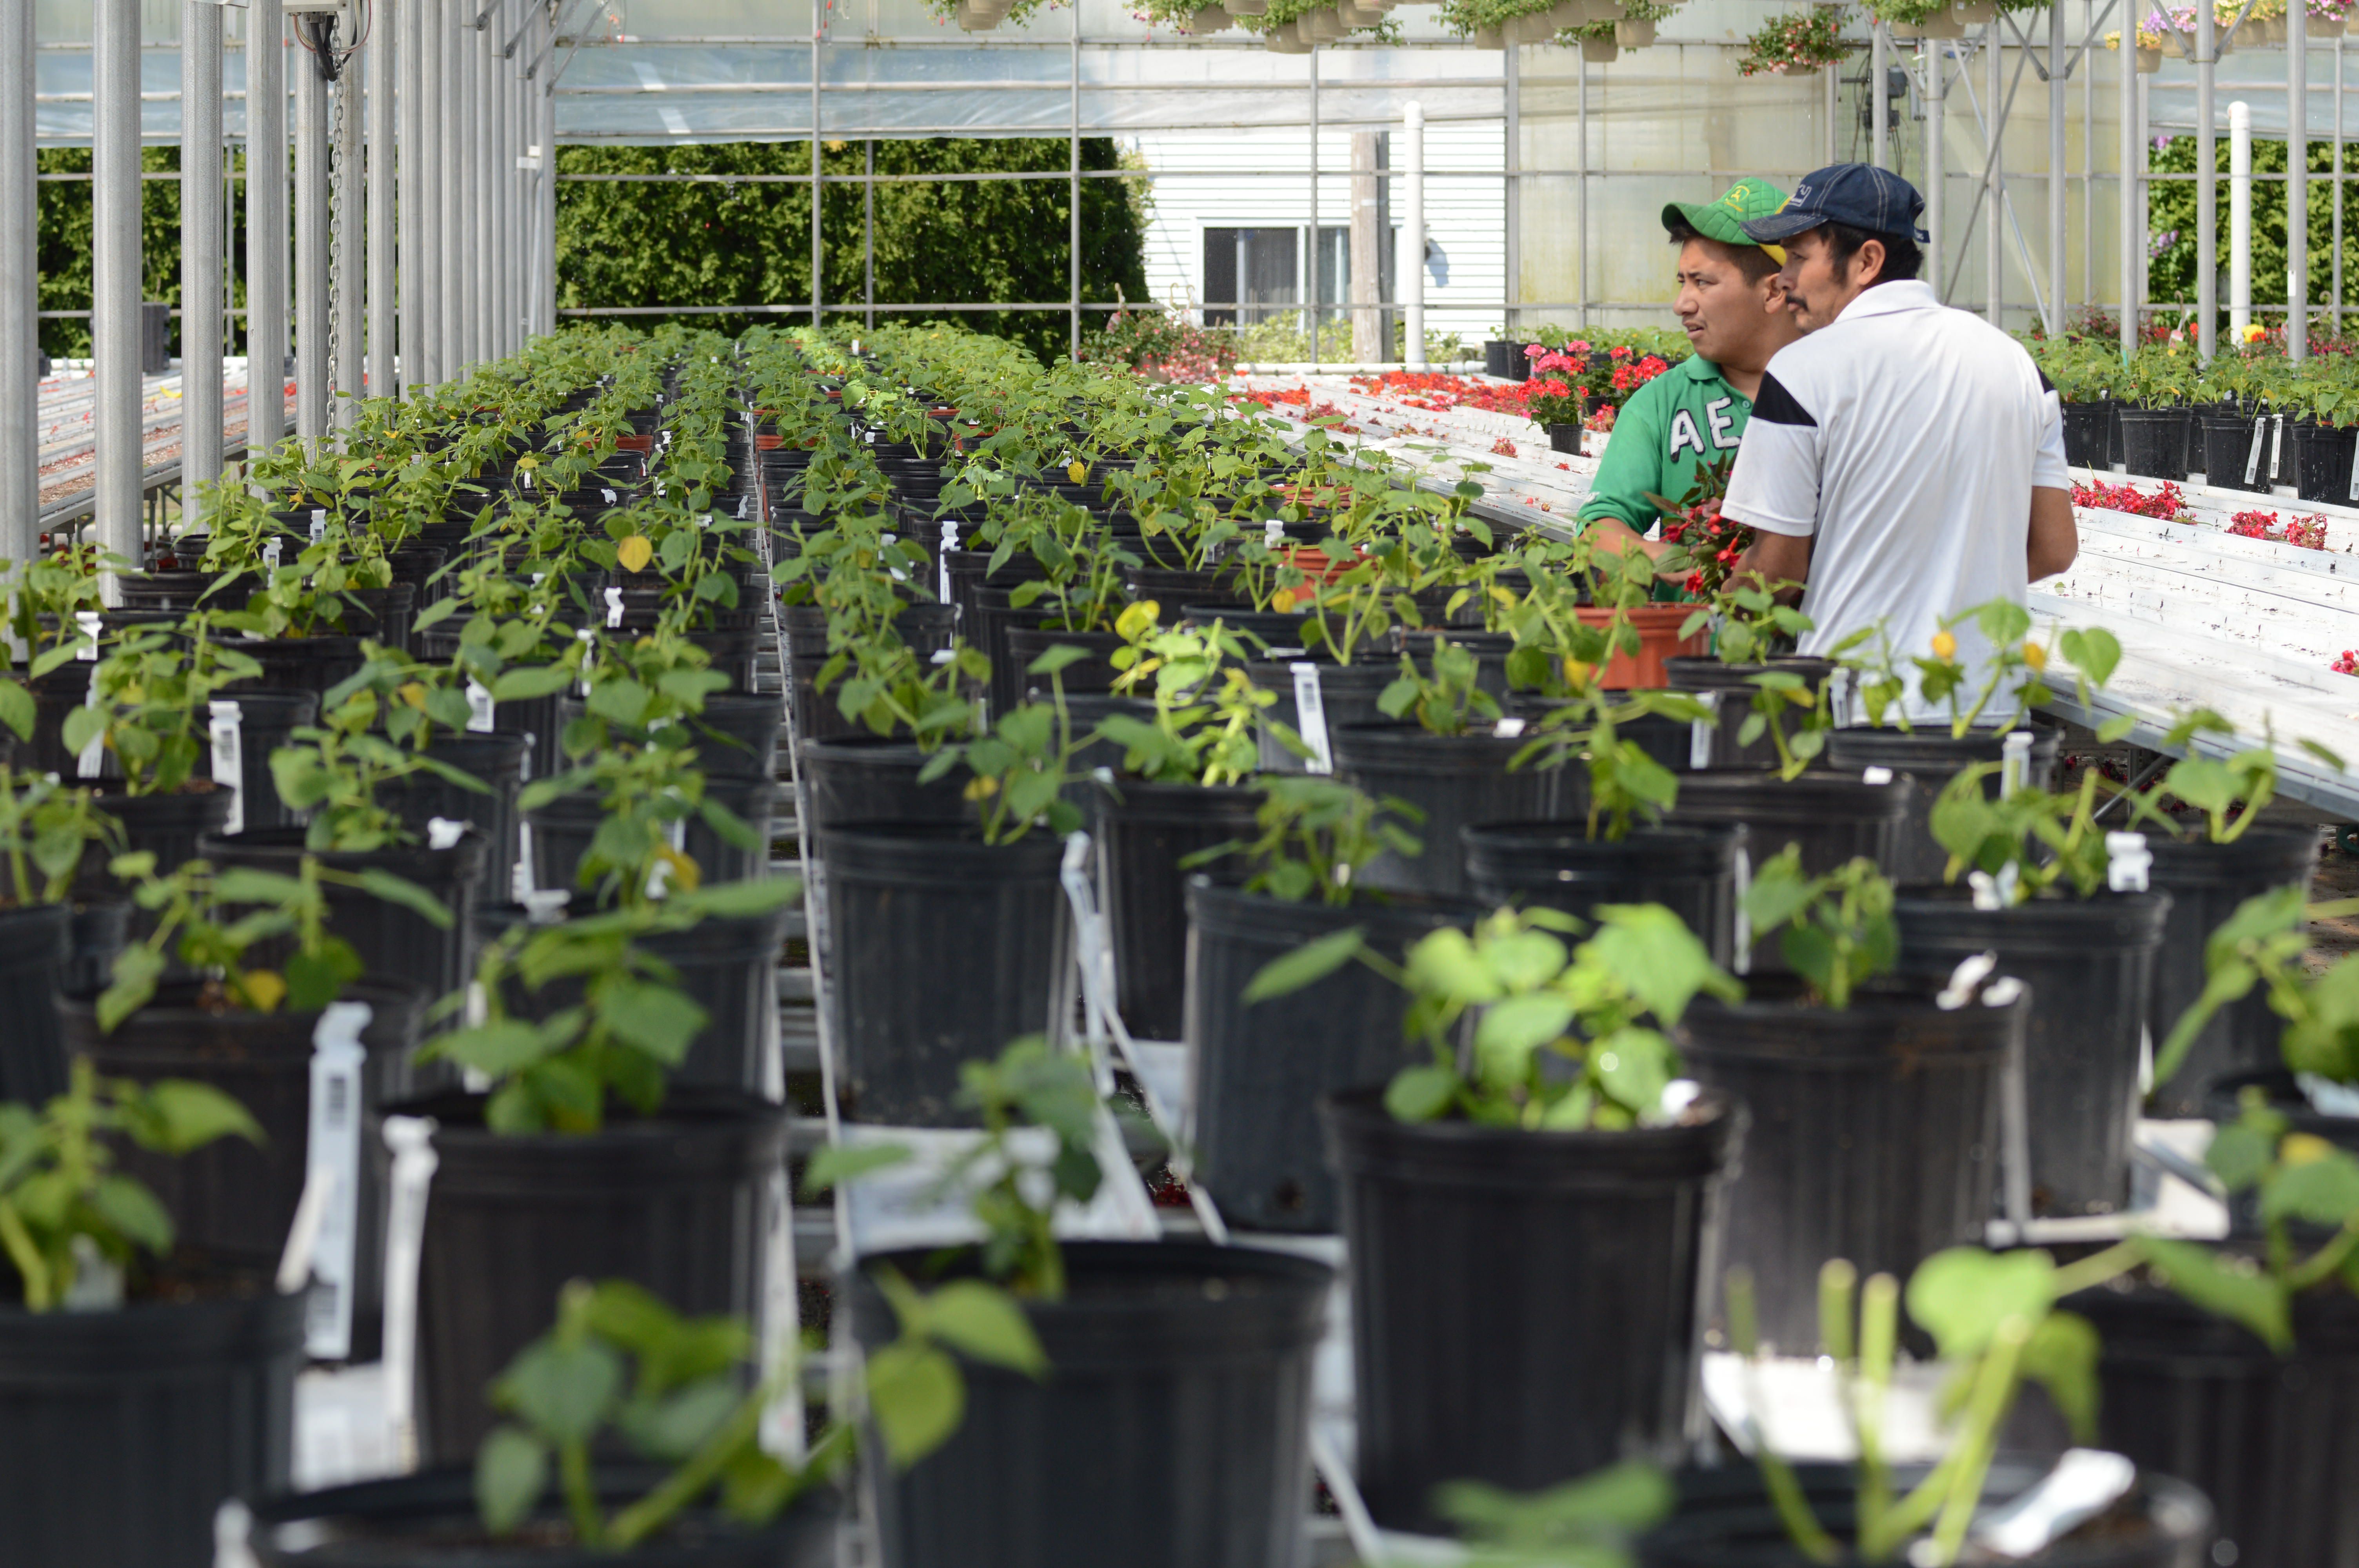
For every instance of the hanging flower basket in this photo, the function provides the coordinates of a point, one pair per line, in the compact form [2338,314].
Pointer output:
[1795,44]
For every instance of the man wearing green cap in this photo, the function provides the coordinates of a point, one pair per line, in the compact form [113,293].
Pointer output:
[1690,418]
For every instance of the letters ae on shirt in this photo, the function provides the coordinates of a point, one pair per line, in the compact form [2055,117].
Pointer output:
[1723,418]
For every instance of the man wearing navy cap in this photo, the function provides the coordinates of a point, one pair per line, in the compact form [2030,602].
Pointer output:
[1905,461]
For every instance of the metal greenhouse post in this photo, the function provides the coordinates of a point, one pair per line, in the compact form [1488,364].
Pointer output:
[2207,185]
[450,108]
[1410,267]
[20,285]
[266,226]
[2056,263]
[2297,181]
[2131,241]
[311,187]
[409,198]
[1879,103]
[384,37]
[349,282]
[202,246]
[421,214]
[1994,184]
[2240,218]
[115,254]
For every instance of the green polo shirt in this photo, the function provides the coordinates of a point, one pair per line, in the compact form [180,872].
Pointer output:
[1685,418]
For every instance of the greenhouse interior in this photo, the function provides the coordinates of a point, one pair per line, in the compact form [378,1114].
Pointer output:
[1627,715]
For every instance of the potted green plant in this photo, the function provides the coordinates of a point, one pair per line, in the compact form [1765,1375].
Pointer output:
[1763,688]
[1796,44]
[1533,1170]
[50,944]
[143,1386]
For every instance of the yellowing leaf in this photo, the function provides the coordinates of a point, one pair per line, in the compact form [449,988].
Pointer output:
[635,553]
[1077,470]
[265,989]
[982,786]
[1282,600]
[414,693]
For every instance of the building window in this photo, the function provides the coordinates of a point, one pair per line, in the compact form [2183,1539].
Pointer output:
[1250,274]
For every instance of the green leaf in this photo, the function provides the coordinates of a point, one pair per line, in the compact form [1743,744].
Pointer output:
[1421,1094]
[917,1398]
[2061,1356]
[2220,1286]
[2239,1155]
[16,709]
[1655,955]
[315,980]
[527,681]
[758,895]
[245,884]
[174,1116]
[83,726]
[2324,1191]
[657,1019]
[1306,965]
[133,1210]
[563,1390]
[1961,1295]
[1056,658]
[983,1321]
[502,1046]
[840,1163]
[511,1472]
[409,895]
[1634,1066]
[673,1428]
[1513,1028]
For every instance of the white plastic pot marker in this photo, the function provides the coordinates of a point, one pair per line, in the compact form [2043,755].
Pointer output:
[1702,732]
[89,622]
[270,551]
[613,608]
[610,501]
[91,761]
[318,524]
[950,543]
[1839,694]
[1507,729]
[2353,492]
[2013,761]
[2326,1096]
[1311,716]
[2084,1484]
[441,833]
[479,708]
[1743,963]
[224,721]
[2128,862]
[234,1536]
[2253,455]
[1970,972]
[2003,991]
[1985,891]
[335,1160]
[1875,775]
[2277,449]
[1273,532]
[411,1141]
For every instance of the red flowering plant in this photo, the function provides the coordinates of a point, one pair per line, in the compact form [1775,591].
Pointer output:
[2346,663]
[2166,503]
[2307,533]
[1706,543]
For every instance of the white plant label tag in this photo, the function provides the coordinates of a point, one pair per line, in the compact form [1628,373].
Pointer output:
[89,622]
[2354,490]
[2128,862]
[270,551]
[613,608]
[91,761]
[442,834]
[1703,733]
[2253,458]
[2014,762]
[479,707]
[1875,775]
[1743,882]
[1273,532]
[950,543]
[318,524]
[607,494]
[1507,729]
[410,1141]
[334,1154]
[2277,449]
[1311,716]
[224,722]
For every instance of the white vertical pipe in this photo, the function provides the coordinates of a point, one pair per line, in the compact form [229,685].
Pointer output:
[2132,242]
[266,225]
[2056,263]
[512,244]
[454,223]
[421,217]
[1995,186]
[408,252]
[1936,54]
[1311,289]
[350,304]
[497,169]
[1879,103]
[201,246]
[545,120]
[1833,86]
[383,109]
[115,257]
[312,303]
[479,176]
[1409,267]
[2240,218]
[2296,180]
[20,286]
[1513,211]
[2207,185]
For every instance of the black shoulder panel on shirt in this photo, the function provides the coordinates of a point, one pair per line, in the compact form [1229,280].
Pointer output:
[2045,384]
[1777,404]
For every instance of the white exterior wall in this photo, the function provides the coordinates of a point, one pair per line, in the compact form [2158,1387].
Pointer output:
[1464,211]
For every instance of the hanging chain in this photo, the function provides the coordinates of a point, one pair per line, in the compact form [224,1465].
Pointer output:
[337,91]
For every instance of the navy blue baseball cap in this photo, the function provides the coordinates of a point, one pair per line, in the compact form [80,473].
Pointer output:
[1856,195]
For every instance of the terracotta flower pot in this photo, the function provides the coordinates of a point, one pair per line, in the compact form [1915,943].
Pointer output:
[1658,626]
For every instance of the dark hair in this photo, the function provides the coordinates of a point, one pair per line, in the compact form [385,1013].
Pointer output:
[1902,259]
[1753,262]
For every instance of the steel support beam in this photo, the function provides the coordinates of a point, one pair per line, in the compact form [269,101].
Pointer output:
[451,106]
[312,186]
[203,199]
[2297,181]
[266,225]
[425,179]
[115,260]
[2133,161]
[2207,185]
[20,290]
[382,59]
[348,233]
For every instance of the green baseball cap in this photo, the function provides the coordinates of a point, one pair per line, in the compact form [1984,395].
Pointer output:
[1724,220]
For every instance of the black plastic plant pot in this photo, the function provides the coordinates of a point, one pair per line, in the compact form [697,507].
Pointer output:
[419,1521]
[2323,463]
[36,946]
[98,931]
[682,1202]
[126,1429]
[55,695]
[2206,882]
[943,950]
[1523,1302]
[718,860]
[1934,757]
[2227,449]
[1145,831]
[725,964]
[1092,672]
[1178,590]
[265,719]
[233,1200]
[1171,1430]
[1723,1517]
[536,719]
[497,760]
[562,832]
[2153,442]
[1490,650]
[395,943]
[2084,435]
[380,614]
[1085,711]
[2089,962]
[1347,695]
[1454,782]
[1736,687]
[1279,632]
[318,664]
[172,827]
[1692,871]
[1258,1068]
[1873,1133]
[737,735]
[855,778]
[1834,816]
[927,627]
[2268,1438]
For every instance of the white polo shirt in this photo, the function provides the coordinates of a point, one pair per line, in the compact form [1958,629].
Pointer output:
[1904,439]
